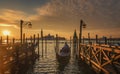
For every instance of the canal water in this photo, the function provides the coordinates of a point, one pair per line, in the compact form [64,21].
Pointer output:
[48,64]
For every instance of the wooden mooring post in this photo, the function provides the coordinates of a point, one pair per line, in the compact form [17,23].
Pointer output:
[46,46]
[70,41]
[7,39]
[105,39]
[57,44]
[96,39]
[82,25]
[56,40]
[38,45]
[89,40]
[78,55]
[23,38]
[42,42]
[90,50]
[34,38]
[54,43]
[1,40]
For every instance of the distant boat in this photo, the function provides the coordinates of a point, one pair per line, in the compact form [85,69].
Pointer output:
[63,55]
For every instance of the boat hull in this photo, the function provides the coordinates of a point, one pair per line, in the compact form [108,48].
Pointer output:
[63,59]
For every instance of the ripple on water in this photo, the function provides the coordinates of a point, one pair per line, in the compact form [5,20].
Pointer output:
[49,65]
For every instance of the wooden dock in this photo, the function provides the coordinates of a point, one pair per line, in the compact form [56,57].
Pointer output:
[102,58]
[17,58]
[100,55]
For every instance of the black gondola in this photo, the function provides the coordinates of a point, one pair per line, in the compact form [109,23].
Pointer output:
[63,55]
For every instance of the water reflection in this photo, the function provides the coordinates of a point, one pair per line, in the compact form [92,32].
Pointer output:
[62,65]
[48,64]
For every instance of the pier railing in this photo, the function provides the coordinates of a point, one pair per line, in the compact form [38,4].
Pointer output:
[101,57]
[12,56]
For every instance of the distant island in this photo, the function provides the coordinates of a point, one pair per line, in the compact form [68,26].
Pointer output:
[52,37]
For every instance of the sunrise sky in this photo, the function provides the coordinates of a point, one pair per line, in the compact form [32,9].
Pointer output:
[61,17]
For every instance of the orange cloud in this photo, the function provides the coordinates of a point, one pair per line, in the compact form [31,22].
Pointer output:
[12,15]
[9,25]
[64,15]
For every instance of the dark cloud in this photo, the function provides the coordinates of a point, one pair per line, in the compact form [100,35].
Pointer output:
[23,5]
[99,14]
[64,15]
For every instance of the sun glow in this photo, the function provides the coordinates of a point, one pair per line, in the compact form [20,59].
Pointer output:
[6,32]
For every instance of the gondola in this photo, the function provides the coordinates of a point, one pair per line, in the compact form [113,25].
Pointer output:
[63,56]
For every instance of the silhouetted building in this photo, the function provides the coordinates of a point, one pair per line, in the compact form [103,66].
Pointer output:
[49,37]
[52,37]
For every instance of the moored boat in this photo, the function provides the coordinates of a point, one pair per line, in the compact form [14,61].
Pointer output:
[63,55]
